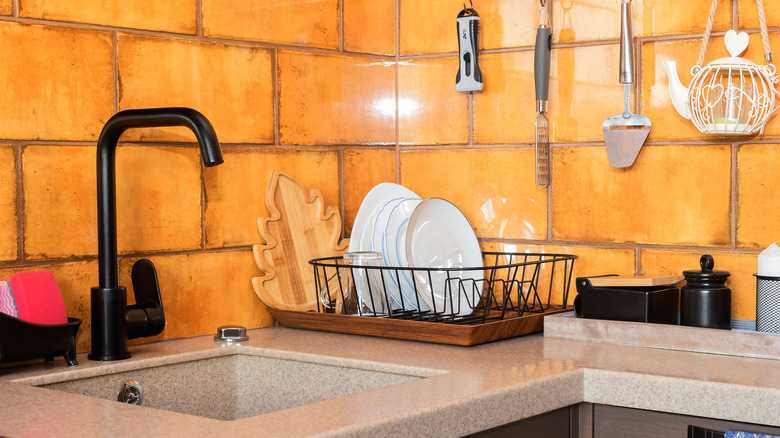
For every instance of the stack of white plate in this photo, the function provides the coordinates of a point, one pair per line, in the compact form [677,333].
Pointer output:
[411,232]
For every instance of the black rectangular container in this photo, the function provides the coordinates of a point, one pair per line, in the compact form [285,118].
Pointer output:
[655,304]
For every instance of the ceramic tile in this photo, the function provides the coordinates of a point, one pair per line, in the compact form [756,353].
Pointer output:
[58,82]
[758,202]
[6,7]
[75,279]
[8,228]
[236,190]
[494,188]
[369,26]
[590,261]
[505,111]
[326,99]
[748,14]
[54,195]
[312,23]
[741,266]
[363,169]
[591,20]
[429,111]
[161,72]
[430,26]
[204,291]
[651,202]
[176,16]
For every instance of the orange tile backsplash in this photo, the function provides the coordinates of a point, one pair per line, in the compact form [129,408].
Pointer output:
[347,94]
[328,99]
[313,23]
[59,82]
[8,207]
[156,72]
[177,16]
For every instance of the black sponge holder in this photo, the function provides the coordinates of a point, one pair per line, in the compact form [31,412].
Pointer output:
[22,340]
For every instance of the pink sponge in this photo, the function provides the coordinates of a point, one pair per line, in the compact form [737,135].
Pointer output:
[38,298]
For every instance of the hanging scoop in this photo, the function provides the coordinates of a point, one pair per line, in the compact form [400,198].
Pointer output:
[624,134]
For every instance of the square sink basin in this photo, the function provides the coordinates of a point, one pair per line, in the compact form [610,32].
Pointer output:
[236,386]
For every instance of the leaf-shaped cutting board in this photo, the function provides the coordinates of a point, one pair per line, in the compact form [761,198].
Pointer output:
[298,230]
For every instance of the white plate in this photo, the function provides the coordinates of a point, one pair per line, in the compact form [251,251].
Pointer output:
[379,200]
[440,236]
[393,241]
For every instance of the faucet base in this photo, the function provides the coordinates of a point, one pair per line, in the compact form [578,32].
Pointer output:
[109,339]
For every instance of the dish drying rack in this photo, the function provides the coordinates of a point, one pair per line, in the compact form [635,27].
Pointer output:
[509,295]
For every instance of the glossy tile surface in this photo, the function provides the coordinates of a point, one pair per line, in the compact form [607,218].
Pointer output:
[431,26]
[58,82]
[326,99]
[176,16]
[161,72]
[748,14]
[758,202]
[505,110]
[369,26]
[196,290]
[234,204]
[8,207]
[307,23]
[363,169]
[648,202]
[494,188]
[55,195]
[582,95]
[590,20]
[741,266]
[430,111]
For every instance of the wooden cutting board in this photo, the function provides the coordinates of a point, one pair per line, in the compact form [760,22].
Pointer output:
[628,281]
[299,229]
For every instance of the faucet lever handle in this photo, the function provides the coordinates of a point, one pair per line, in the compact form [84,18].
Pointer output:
[145,317]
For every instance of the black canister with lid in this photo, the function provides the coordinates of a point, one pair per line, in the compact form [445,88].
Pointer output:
[705,300]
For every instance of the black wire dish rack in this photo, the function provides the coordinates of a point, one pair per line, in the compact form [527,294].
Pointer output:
[508,296]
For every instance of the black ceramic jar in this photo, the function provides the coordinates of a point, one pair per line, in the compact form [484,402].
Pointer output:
[705,300]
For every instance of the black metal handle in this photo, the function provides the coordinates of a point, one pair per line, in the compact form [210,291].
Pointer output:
[145,317]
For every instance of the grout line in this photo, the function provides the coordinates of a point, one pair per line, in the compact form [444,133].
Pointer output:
[115,42]
[397,37]
[199,18]
[734,201]
[20,230]
[275,91]
[638,260]
[15,8]
[340,7]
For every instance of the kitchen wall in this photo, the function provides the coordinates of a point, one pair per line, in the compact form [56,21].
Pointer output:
[343,95]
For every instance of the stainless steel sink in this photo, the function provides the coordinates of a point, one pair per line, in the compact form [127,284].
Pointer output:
[236,386]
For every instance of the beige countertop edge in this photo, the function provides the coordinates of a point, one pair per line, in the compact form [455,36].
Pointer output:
[703,340]
[468,389]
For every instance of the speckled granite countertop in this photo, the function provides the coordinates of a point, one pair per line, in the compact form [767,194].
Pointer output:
[464,389]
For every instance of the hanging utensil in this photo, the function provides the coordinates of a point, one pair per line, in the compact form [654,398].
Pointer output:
[624,134]
[542,85]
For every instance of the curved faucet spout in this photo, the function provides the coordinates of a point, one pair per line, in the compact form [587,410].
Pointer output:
[111,319]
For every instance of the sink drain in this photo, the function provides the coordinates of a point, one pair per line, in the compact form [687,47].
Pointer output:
[131,393]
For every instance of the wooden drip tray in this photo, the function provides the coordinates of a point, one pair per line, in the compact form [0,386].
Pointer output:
[465,333]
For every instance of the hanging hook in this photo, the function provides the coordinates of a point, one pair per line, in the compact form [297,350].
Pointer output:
[542,3]
[471,3]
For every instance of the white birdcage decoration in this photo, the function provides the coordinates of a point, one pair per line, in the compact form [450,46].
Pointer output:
[730,95]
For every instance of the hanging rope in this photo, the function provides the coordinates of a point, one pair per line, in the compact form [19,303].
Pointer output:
[708,31]
[764,33]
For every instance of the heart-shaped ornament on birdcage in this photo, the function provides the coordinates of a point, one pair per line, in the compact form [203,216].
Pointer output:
[730,95]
